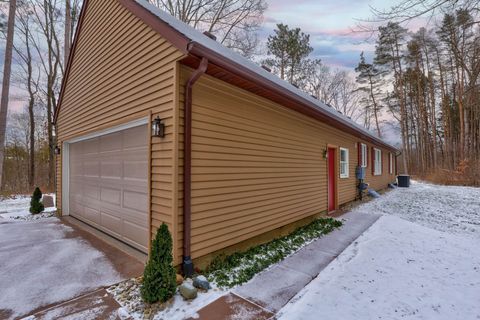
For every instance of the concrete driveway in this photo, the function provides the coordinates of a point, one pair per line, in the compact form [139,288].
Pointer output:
[47,262]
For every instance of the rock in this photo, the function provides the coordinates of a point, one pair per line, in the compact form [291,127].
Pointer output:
[48,201]
[179,279]
[188,291]
[201,282]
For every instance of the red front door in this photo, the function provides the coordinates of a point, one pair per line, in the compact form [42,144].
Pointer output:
[332,190]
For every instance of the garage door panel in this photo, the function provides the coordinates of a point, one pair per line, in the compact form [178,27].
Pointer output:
[91,168]
[135,170]
[111,221]
[92,215]
[135,200]
[111,169]
[135,234]
[111,196]
[135,137]
[111,142]
[89,147]
[76,207]
[91,191]
[108,184]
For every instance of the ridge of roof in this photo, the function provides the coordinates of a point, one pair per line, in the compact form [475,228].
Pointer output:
[198,37]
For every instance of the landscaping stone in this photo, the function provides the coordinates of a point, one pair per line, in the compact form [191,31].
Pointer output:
[179,279]
[201,282]
[48,201]
[188,291]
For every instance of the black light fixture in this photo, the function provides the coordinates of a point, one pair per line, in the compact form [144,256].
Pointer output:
[57,150]
[158,127]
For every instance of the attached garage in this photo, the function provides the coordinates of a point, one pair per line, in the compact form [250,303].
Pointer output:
[107,180]
[158,123]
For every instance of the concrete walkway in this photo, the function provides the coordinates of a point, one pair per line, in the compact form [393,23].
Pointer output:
[271,289]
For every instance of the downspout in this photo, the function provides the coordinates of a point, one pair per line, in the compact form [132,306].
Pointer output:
[187,167]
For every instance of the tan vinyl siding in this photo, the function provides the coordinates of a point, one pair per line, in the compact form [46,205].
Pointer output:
[256,165]
[123,70]
[378,182]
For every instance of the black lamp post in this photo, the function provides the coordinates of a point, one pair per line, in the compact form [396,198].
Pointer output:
[158,127]
[57,150]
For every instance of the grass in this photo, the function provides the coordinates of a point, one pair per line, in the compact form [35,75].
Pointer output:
[238,268]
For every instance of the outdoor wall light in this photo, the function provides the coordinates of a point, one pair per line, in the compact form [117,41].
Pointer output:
[57,150]
[325,153]
[158,128]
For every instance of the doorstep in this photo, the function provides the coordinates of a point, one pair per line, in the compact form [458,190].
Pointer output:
[272,288]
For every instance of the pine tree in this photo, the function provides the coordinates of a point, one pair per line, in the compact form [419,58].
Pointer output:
[289,49]
[36,206]
[159,277]
[369,82]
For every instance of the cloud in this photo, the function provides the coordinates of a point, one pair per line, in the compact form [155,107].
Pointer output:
[329,23]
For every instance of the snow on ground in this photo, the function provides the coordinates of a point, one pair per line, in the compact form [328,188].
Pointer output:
[41,264]
[17,208]
[396,270]
[446,208]
[401,269]
[127,294]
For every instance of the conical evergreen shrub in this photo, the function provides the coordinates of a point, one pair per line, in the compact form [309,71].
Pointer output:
[36,206]
[159,277]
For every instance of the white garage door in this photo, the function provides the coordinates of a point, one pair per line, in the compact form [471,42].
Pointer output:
[108,184]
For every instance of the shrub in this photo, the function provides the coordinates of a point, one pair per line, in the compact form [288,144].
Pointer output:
[159,277]
[36,206]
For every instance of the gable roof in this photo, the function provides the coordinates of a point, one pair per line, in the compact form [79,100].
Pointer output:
[191,41]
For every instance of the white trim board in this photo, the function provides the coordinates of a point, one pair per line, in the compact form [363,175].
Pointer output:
[66,156]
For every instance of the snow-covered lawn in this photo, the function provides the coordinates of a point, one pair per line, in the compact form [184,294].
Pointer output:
[41,263]
[445,208]
[404,270]
[17,208]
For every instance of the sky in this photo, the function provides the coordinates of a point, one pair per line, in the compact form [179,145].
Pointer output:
[329,23]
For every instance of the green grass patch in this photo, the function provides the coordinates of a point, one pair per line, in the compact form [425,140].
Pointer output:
[238,268]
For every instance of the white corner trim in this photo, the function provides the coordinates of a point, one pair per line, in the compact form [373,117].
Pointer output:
[65,178]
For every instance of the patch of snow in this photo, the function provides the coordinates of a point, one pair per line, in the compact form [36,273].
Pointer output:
[41,264]
[445,208]
[182,309]
[17,208]
[396,269]
[127,294]
[123,313]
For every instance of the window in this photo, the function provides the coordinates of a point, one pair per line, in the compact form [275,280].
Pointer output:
[391,162]
[363,155]
[343,163]
[378,162]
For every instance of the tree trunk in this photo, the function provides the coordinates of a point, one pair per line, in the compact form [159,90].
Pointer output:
[7,68]
[68,29]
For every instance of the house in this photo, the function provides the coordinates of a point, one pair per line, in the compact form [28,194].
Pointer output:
[160,123]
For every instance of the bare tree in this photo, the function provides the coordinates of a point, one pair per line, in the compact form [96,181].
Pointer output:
[234,22]
[7,69]
[48,19]
[406,10]
[29,81]
[68,29]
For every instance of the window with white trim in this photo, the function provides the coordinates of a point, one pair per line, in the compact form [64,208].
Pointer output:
[364,154]
[391,163]
[343,163]
[378,162]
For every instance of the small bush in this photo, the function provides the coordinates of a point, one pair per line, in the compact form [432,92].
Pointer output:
[36,206]
[159,277]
